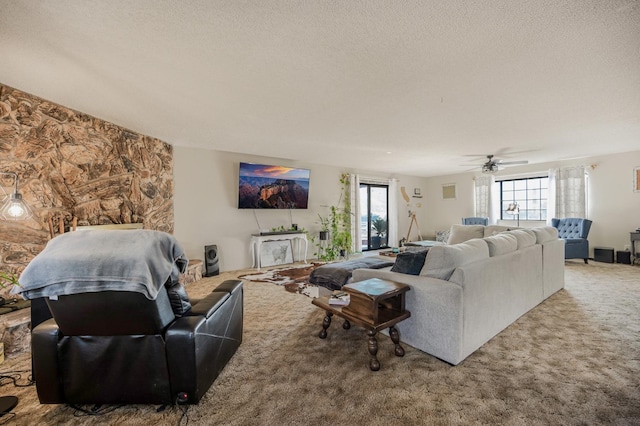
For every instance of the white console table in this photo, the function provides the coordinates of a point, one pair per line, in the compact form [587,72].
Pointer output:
[257,240]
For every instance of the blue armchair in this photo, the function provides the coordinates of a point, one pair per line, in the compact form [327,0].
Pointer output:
[574,232]
[475,221]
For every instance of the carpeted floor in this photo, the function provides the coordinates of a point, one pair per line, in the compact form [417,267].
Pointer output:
[573,360]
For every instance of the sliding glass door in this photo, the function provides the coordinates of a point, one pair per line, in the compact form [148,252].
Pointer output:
[374,219]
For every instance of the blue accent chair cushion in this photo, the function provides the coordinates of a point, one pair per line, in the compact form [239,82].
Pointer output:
[574,231]
[475,221]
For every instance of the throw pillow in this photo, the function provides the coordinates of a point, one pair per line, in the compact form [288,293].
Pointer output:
[462,233]
[442,236]
[179,298]
[410,262]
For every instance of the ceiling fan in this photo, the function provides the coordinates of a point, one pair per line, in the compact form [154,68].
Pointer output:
[492,166]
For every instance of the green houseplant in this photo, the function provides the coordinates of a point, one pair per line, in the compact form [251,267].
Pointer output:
[337,226]
[379,226]
[8,279]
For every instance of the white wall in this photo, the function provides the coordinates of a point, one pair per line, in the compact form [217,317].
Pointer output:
[613,205]
[205,203]
[441,213]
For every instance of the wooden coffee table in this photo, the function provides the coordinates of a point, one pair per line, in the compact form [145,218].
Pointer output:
[375,304]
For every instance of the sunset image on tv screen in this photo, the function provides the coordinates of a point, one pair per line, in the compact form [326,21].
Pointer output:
[263,186]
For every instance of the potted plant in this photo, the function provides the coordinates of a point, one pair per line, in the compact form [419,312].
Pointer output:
[379,226]
[8,279]
[335,229]
[341,219]
[324,228]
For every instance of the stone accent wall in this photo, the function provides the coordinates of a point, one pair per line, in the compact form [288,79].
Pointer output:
[70,165]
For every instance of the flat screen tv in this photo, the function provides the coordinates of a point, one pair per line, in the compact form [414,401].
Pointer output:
[272,187]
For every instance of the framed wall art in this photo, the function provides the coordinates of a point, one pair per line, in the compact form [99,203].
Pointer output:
[449,191]
[636,179]
[276,253]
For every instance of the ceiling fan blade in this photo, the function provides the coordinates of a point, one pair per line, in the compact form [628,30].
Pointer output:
[512,163]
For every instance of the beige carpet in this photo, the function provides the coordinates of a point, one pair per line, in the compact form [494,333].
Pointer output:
[573,360]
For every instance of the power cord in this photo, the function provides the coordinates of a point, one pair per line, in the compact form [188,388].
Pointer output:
[7,377]
[9,402]
[179,402]
[96,410]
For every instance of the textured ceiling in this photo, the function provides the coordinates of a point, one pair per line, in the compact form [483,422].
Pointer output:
[408,87]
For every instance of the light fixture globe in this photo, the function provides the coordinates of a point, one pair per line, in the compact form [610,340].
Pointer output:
[15,208]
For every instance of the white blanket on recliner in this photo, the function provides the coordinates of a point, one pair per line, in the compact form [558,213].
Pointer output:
[90,261]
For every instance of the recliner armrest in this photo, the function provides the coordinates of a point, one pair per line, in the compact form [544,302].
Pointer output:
[207,306]
[229,286]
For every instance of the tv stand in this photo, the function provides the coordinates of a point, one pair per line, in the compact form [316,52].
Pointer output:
[263,233]
[258,239]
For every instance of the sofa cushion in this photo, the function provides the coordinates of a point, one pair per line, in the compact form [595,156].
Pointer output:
[545,233]
[525,237]
[462,233]
[501,244]
[410,262]
[490,230]
[441,261]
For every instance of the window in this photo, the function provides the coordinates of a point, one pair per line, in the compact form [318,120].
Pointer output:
[374,223]
[531,194]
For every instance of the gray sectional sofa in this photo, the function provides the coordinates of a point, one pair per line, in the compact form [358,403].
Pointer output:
[469,290]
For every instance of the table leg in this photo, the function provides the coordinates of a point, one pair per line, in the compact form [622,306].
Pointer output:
[374,364]
[306,246]
[325,324]
[395,338]
[253,254]
[258,254]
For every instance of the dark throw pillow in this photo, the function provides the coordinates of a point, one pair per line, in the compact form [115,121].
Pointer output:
[179,299]
[410,262]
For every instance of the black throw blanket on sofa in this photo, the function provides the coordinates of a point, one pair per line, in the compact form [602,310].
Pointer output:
[334,275]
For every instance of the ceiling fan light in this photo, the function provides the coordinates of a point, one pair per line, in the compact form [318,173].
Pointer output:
[489,168]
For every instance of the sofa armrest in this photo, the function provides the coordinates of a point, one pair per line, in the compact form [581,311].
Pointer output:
[44,350]
[435,325]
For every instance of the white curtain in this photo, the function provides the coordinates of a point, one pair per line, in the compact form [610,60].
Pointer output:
[567,193]
[485,193]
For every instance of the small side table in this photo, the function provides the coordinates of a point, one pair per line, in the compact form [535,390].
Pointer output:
[375,304]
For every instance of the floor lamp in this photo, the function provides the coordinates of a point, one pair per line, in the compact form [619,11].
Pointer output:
[514,209]
[13,209]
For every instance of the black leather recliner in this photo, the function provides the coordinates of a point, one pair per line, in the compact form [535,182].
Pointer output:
[120,347]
